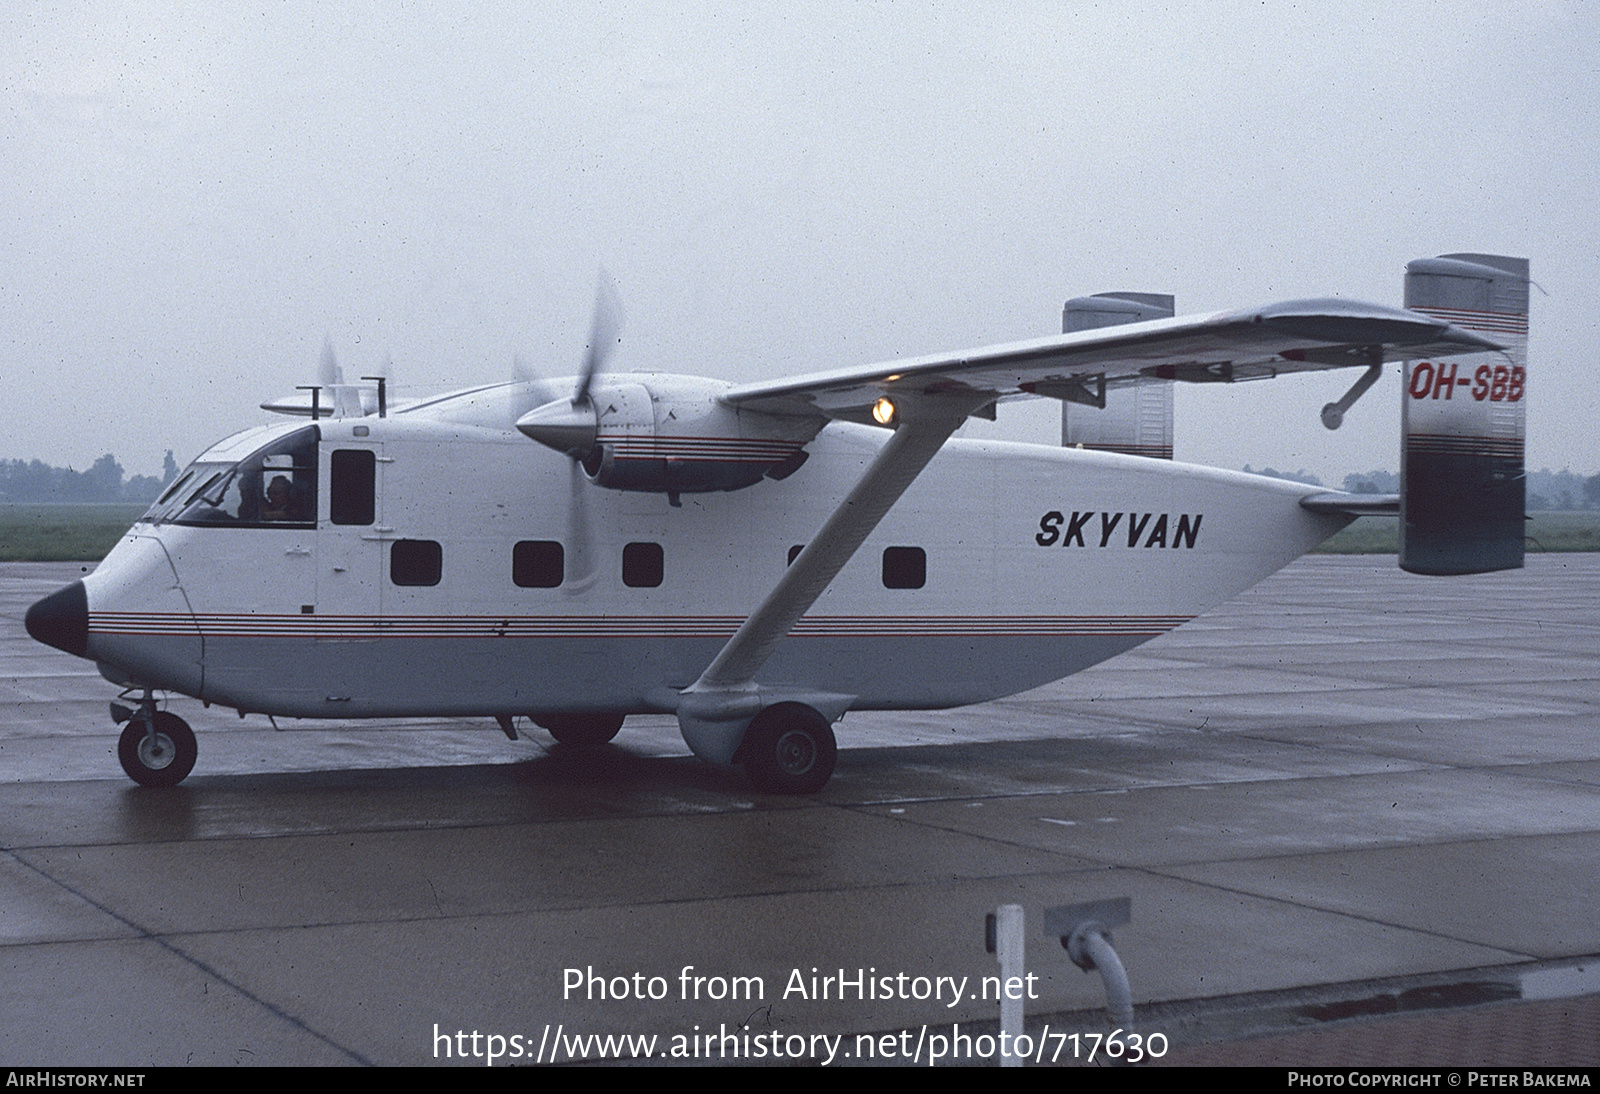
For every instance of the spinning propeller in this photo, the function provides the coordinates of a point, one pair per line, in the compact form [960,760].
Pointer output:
[571,426]
[528,390]
[346,398]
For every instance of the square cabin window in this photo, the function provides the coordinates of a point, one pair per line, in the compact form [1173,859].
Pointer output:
[355,476]
[415,562]
[642,565]
[538,564]
[905,567]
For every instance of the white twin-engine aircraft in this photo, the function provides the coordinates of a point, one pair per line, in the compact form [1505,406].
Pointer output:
[758,559]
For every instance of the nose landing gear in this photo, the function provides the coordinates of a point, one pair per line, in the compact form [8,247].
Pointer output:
[157,748]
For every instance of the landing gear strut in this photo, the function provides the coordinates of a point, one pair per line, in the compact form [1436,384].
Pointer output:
[157,748]
[789,749]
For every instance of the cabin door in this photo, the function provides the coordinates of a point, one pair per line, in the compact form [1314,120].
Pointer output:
[350,542]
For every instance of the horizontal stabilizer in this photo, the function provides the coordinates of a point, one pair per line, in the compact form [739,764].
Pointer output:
[1352,505]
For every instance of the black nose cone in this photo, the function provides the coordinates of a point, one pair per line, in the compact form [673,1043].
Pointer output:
[62,619]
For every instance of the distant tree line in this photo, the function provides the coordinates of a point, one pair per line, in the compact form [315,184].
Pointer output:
[1562,490]
[36,481]
[1301,475]
[1373,482]
[1547,490]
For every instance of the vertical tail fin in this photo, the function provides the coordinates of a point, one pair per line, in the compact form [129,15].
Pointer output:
[1136,421]
[1462,480]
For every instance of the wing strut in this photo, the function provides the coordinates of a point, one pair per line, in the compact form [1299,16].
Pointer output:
[724,693]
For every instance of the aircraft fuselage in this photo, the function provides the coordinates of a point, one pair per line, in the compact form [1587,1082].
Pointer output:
[463,586]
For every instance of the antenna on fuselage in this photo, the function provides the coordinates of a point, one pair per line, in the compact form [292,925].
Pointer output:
[383,400]
[316,405]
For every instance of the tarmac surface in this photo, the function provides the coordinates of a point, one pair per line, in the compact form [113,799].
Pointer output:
[1357,813]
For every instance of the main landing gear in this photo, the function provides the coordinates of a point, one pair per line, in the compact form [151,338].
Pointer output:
[157,748]
[789,749]
[580,730]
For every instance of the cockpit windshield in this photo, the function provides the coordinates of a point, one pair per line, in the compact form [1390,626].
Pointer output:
[274,487]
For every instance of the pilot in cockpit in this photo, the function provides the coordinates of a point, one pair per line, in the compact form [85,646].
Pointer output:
[278,500]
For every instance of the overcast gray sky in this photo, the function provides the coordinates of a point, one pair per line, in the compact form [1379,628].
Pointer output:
[194,195]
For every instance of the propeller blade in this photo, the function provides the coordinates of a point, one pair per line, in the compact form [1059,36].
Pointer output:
[604,331]
[329,374]
[343,400]
[581,571]
[529,390]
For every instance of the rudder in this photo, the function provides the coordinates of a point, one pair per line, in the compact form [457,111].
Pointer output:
[1134,420]
[1462,477]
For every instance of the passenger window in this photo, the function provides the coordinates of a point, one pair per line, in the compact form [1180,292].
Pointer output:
[642,565]
[351,498]
[415,562]
[905,567]
[538,564]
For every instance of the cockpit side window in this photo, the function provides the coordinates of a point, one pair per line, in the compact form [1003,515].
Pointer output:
[177,484]
[272,488]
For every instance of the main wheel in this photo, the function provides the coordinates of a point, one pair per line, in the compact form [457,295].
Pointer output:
[160,760]
[789,749]
[581,730]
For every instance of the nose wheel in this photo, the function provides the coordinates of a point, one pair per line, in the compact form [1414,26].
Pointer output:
[157,748]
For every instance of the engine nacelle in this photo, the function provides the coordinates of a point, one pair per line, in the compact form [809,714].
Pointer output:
[669,435]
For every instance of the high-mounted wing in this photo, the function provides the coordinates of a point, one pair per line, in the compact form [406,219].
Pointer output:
[929,397]
[1296,336]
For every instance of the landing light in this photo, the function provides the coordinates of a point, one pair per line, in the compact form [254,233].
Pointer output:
[883,411]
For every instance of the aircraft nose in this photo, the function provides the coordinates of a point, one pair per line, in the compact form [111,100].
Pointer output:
[62,619]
